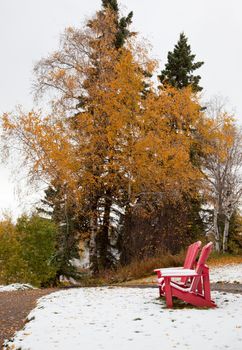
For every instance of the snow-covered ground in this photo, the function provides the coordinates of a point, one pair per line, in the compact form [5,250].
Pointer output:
[15,286]
[227,273]
[129,318]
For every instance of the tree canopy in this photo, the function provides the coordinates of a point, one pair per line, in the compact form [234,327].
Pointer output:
[110,143]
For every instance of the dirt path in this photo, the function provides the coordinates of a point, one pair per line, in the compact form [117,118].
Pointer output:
[227,287]
[15,307]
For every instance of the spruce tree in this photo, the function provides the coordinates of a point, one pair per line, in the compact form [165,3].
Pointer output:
[178,72]
[113,4]
[179,69]
[71,225]
[123,23]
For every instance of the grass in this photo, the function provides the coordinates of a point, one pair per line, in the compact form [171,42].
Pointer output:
[138,269]
[135,270]
[224,259]
[142,269]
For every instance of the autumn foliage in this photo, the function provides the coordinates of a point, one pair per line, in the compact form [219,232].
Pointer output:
[112,137]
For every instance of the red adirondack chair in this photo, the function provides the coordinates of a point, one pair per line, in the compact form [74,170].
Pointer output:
[189,263]
[198,293]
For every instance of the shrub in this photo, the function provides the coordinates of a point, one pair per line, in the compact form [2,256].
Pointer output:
[12,267]
[37,237]
[26,251]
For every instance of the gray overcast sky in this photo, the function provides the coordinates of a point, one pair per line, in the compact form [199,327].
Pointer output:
[30,29]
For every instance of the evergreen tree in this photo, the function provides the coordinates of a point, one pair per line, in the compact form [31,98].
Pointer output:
[123,23]
[113,4]
[235,236]
[178,72]
[179,69]
[59,205]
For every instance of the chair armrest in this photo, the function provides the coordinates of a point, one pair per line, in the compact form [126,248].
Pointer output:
[169,269]
[179,273]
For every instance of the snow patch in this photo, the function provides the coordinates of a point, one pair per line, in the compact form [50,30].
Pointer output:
[227,273]
[128,318]
[15,286]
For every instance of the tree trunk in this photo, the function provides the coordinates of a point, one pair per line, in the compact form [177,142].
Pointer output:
[226,234]
[216,230]
[126,237]
[103,237]
[93,243]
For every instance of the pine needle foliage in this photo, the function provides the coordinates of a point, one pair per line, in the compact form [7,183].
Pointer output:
[180,66]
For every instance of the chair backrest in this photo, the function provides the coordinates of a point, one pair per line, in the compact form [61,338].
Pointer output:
[206,250]
[190,259]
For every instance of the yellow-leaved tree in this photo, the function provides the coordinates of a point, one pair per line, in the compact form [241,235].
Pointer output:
[108,141]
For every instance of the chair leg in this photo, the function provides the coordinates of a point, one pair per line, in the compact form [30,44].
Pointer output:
[168,294]
[206,286]
[162,288]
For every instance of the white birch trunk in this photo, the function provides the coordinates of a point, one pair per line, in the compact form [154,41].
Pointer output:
[226,234]
[216,230]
